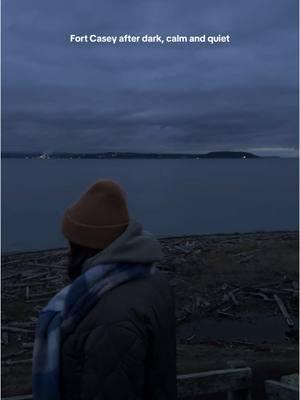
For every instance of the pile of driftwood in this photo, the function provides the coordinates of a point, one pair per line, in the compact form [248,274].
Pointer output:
[27,285]
[201,244]
[34,281]
[230,301]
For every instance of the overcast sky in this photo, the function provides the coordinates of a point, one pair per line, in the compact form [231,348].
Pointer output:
[59,96]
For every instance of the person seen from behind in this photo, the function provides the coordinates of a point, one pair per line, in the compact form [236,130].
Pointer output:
[109,334]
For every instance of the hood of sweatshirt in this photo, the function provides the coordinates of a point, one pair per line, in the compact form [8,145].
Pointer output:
[135,245]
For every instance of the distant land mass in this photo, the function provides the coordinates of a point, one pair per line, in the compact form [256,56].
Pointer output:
[129,155]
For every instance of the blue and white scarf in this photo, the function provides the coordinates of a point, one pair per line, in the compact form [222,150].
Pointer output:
[64,311]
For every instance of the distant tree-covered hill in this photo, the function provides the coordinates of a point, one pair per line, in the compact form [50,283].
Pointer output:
[108,155]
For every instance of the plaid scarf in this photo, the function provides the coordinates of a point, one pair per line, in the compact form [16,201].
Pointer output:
[62,314]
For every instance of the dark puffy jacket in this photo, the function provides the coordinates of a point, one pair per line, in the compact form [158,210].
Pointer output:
[125,348]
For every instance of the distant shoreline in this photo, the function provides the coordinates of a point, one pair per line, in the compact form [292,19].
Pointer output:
[132,155]
[217,236]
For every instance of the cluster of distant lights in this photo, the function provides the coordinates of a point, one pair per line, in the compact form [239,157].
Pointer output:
[45,156]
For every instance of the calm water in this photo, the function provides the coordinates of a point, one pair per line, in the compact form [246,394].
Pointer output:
[171,197]
[258,329]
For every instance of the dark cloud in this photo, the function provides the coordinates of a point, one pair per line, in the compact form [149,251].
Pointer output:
[59,96]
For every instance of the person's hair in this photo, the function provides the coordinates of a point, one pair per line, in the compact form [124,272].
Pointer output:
[77,256]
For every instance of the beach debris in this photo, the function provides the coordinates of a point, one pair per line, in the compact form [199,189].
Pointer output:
[181,319]
[292,379]
[27,345]
[21,324]
[263,347]
[259,294]
[243,342]
[12,354]
[33,276]
[61,267]
[43,294]
[229,294]
[190,338]
[21,285]
[200,302]
[284,311]
[4,338]
[14,329]
[10,276]
[227,314]
[186,248]
[246,256]
[232,296]
[225,286]
[16,362]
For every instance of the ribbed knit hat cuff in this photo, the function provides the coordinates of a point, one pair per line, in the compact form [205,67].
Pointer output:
[92,236]
[79,224]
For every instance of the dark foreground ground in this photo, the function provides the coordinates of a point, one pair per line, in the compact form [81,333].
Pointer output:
[228,290]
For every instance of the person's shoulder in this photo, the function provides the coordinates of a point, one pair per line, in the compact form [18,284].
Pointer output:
[145,289]
[133,297]
[141,289]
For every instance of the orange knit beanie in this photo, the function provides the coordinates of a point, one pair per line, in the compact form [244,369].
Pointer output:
[98,217]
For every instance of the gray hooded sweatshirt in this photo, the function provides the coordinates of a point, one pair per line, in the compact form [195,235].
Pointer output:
[135,245]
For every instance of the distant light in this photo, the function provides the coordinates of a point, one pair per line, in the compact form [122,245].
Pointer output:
[244,157]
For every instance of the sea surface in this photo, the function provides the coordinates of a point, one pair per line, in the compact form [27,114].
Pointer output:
[170,197]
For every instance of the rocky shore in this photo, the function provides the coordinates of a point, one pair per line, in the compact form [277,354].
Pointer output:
[236,298]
